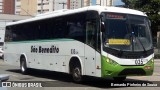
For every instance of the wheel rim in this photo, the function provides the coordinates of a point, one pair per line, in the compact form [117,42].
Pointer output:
[23,67]
[77,74]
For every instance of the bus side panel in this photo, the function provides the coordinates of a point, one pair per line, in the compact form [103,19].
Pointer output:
[57,61]
[11,55]
[98,64]
[39,59]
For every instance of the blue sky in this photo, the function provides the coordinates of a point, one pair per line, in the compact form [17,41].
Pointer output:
[117,2]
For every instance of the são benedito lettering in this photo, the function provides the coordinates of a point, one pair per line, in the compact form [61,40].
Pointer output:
[40,49]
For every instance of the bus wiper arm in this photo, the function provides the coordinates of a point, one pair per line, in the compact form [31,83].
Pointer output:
[141,44]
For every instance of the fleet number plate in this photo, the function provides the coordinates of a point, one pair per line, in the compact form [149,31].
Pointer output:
[139,62]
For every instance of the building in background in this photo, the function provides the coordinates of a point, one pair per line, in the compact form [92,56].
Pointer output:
[74,4]
[60,4]
[104,2]
[86,3]
[34,7]
[28,7]
[31,7]
[44,6]
[6,18]
[17,7]
[1,6]
[7,6]
[68,4]
[50,5]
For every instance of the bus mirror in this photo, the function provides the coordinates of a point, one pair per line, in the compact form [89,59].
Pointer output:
[102,16]
[102,27]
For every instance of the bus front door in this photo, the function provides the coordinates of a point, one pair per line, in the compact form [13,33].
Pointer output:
[90,52]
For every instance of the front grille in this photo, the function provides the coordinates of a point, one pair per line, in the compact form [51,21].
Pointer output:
[131,56]
[133,71]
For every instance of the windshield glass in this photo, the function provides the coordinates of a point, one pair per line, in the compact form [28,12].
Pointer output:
[126,32]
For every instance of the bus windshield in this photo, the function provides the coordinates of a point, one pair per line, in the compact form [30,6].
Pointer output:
[126,32]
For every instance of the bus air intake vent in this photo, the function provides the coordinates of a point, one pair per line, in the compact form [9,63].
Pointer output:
[131,71]
[131,56]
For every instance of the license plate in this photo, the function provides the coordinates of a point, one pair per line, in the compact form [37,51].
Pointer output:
[141,61]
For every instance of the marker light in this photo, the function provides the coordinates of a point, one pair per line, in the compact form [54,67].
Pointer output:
[147,67]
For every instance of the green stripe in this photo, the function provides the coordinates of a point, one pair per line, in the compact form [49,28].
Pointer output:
[40,41]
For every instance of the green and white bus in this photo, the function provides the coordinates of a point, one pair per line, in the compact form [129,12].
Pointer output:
[106,42]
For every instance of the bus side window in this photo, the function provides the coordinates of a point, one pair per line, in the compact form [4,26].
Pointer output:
[91,33]
[76,27]
[92,30]
[8,35]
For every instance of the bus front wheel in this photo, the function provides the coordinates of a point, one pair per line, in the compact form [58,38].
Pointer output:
[23,65]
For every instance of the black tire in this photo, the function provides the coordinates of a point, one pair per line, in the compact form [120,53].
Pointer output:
[77,74]
[23,66]
[2,57]
[119,79]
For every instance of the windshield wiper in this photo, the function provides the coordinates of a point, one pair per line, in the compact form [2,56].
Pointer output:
[144,50]
[142,45]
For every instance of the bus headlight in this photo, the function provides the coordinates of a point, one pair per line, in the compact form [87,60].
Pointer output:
[150,61]
[110,61]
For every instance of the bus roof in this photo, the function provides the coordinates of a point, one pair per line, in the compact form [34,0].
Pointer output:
[67,12]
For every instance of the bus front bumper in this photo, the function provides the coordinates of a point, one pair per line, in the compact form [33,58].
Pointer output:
[112,69]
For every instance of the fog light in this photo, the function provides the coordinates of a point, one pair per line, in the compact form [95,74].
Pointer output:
[147,67]
[108,72]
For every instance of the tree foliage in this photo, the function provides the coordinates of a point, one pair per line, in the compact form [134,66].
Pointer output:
[150,7]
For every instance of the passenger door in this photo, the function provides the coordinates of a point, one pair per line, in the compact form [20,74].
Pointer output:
[90,52]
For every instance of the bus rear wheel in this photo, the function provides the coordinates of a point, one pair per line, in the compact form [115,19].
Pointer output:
[23,66]
[119,78]
[76,73]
